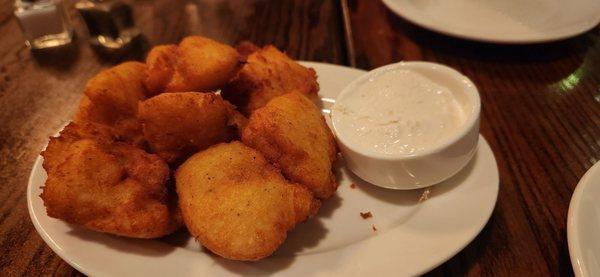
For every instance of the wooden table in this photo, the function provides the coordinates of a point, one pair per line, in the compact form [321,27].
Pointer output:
[541,112]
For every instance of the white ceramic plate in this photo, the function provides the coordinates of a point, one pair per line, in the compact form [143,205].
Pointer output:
[502,21]
[413,235]
[583,225]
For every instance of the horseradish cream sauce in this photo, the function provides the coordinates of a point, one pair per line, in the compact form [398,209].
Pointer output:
[398,112]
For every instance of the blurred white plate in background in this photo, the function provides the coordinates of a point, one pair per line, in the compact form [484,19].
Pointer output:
[583,224]
[501,21]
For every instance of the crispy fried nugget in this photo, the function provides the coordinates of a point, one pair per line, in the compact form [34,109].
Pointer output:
[196,64]
[268,73]
[107,186]
[161,61]
[246,48]
[178,125]
[291,132]
[236,204]
[111,98]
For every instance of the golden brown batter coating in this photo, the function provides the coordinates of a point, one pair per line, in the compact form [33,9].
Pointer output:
[108,186]
[196,64]
[267,74]
[111,98]
[238,205]
[180,124]
[292,134]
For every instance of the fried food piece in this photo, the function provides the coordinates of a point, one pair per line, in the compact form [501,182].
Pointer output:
[267,74]
[161,61]
[196,64]
[178,125]
[108,186]
[246,48]
[292,134]
[111,98]
[236,204]
[236,120]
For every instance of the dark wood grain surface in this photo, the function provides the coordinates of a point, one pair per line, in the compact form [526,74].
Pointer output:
[541,112]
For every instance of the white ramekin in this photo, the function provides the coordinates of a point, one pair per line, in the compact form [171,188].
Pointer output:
[424,168]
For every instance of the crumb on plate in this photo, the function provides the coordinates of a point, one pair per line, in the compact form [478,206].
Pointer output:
[366,215]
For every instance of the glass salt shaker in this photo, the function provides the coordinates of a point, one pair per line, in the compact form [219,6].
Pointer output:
[109,22]
[45,23]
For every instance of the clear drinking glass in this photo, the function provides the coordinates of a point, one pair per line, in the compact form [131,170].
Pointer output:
[110,23]
[45,23]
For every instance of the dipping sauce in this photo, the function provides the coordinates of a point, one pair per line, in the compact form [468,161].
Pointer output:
[398,112]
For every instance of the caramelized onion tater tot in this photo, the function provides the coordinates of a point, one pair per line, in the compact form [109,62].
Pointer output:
[180,124]
[267,74]
[238,205]
[196,64]
[292,134]
[108,186]
[111,98]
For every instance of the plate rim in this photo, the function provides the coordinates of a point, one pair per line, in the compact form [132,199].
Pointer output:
[60,252]
[395,7]
[573,240]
